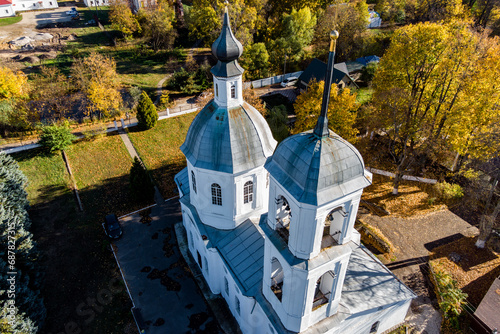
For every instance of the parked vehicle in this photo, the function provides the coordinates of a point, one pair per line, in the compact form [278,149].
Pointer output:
[72,12]
[112,227]
[289,81]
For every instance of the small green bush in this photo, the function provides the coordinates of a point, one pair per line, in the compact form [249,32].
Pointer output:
[147,116]
[447,191]
[56,137]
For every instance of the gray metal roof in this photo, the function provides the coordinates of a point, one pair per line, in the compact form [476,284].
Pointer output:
[316,170]
[227,49]
[228,141]
[182,181]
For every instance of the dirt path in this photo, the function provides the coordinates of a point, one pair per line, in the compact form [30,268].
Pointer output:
[27,26]
[413,239]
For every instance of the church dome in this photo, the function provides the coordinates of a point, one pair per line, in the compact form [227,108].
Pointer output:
[226,47]
[228,140]
[317,169]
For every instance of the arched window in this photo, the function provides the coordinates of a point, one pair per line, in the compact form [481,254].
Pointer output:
[217,90]
[233,91]
[324,286]
[226,286]
[248,192]
[374,328]
[283,217]
[277,278]
[216,194]
[193,181]
[332,230]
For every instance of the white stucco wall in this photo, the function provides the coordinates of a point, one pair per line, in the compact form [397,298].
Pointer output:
[20,5]
[93,3]
[222,91]
[6,11]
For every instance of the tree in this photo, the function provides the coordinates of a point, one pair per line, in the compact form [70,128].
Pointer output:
[56,137]
[14,88]
[147,116]
[141,187]
[122,19]
[368,72]
[51,91]
[422,98]
[439,10]
[15,238]
[204,19]
[298,31]
[255,59]
[341,110]
[277,118]
[156,25]
[96,77]
[351,21]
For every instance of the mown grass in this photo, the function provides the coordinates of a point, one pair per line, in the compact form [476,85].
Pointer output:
[159,150]
[364,95]
[72,243]
[10,20]
[46,173]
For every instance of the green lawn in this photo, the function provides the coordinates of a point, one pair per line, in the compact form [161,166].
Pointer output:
[10,20]
[74,249]
[159,149]
[364,95]
[47,176]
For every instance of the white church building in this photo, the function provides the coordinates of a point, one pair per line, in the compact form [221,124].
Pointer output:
[272,228]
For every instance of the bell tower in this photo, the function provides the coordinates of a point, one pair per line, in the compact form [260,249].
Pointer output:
[316,182]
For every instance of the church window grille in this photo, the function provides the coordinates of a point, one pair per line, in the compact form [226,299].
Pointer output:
[248,192]
[238,307]
[233,91]
[374,328]
[226,286]
[193,181]
[216,194]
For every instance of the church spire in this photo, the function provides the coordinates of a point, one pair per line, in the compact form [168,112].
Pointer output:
[227,49]
[321,128]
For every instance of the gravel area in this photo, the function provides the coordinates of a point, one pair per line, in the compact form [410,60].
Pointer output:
[413,239]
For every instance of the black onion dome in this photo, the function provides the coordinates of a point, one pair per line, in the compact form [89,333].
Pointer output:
[226,47]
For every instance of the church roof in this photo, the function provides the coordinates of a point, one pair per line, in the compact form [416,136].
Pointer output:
[228,140]
[315,170]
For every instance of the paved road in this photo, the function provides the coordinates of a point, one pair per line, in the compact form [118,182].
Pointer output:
[159,281]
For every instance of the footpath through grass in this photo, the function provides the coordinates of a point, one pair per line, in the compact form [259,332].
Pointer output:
[75,252]
[159,150]
[10,20]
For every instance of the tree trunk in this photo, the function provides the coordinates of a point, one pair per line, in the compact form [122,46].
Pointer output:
[487,221]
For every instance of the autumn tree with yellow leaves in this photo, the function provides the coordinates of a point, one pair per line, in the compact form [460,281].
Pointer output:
[95,76]
[439,96]
[341,110]
[14,88]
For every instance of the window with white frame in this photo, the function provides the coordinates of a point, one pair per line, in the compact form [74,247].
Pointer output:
[226,286]
[237,306]
[217,90]
[248,192]
[216,194]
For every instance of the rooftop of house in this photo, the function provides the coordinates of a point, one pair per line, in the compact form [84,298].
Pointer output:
[5,2]
[317,70]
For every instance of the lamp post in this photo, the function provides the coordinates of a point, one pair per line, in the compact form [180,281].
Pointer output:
[284,66]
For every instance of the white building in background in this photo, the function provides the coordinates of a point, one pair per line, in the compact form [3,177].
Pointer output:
[272,228]
[10,7]
[94,3]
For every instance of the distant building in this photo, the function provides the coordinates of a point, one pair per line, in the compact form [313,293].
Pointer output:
[94,3]
[374,21]
[486,319]
[317,70]
[10,7]
[272,228]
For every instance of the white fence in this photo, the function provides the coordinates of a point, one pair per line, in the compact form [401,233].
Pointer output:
[271,80]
